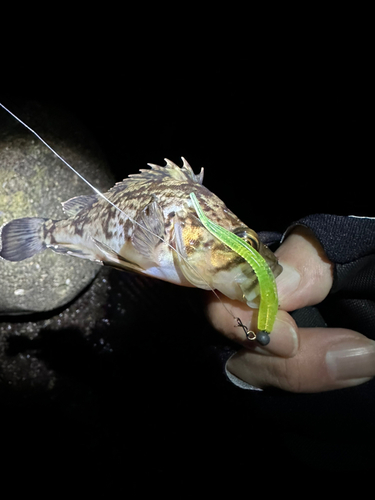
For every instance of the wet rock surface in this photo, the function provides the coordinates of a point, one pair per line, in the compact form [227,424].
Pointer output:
[33,183]
[109,316]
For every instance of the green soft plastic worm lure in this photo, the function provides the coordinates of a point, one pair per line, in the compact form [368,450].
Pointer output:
[267,286]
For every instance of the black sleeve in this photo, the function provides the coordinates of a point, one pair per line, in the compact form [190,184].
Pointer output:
[331,427]
[328,428]
[349,243]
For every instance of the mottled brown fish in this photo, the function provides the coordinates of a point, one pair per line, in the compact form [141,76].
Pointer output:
[154,208]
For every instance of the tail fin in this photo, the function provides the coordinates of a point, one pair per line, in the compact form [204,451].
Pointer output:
[22,238]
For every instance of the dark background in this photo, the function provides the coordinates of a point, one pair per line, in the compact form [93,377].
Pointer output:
[282,132]
[279,137]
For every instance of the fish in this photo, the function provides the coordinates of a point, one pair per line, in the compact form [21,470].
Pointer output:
[147,224]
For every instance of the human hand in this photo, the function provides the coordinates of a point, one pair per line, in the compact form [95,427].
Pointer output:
[297,359]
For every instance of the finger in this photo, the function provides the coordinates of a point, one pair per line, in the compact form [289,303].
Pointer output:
[327,359]
[306,279]
[284,337]
[307,273]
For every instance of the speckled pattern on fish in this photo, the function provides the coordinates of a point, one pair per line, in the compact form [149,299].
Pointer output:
[153,230]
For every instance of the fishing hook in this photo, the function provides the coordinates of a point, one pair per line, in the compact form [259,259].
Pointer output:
[250,335]
[262,337]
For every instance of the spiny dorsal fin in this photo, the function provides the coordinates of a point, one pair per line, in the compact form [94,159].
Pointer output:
[73,206]
[172,170]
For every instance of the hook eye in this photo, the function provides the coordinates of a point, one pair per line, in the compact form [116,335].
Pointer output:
[250,335]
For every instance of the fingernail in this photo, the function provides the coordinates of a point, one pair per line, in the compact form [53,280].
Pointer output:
[352,361]
[230,370]
[288,281]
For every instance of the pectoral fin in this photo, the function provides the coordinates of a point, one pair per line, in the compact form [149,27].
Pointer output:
[149,231]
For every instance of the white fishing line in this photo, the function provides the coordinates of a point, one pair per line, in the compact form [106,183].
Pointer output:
[362,217]
[115,206]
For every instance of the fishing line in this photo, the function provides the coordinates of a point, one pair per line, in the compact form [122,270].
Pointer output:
[239,322]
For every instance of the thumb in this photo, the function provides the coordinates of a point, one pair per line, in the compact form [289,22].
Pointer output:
[307,275]
[325,360]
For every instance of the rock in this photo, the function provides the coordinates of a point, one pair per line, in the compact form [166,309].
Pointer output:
[29,343]
[33,183]
[97,336]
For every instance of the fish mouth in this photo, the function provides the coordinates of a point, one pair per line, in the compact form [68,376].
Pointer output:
[239,281]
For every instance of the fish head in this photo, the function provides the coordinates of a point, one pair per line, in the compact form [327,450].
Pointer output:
[208,263]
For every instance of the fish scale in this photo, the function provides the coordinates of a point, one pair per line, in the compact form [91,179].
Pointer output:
[147,224]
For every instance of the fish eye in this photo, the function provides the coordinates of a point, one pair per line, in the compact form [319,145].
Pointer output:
[251,239]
